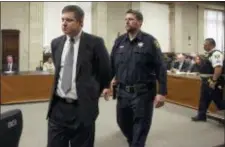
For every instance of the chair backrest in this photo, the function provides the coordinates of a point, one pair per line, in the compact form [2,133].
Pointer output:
[11,126]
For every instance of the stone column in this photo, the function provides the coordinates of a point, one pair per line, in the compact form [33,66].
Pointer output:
[200,30]
[15,15]
[35,34]
[99,20]
[178,28]
[172,27]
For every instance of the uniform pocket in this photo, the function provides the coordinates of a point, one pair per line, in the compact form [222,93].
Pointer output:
[143,55]
[120,56]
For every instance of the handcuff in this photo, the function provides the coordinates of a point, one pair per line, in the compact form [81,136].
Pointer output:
[211,81]
[214,82]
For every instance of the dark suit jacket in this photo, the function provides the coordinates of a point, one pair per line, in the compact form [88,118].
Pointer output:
[195,68]
[92,73]
[14,67]
[168,63]
[184,67]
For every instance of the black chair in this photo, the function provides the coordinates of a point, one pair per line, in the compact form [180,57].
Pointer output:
[11,126]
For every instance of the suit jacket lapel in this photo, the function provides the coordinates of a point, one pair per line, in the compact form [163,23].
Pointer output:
[59,50]
[81,54]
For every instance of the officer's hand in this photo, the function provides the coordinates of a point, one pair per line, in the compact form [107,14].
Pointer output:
[212,84]
[106,94]
[159,101]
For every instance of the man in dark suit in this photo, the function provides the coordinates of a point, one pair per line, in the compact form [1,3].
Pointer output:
[82,73]
[10,66]
[181,65]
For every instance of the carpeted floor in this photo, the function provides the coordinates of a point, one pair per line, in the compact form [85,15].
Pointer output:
[171,127]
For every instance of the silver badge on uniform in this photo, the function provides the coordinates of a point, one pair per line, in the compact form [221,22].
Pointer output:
[140,44]
[121,46]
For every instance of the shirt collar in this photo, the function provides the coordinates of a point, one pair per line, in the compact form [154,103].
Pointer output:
[211,50]
[138,36]
[75,37]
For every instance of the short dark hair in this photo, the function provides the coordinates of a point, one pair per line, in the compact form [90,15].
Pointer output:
[137,14]
[78,11]
[211,41]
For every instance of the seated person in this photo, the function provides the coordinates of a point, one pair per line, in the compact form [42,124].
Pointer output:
[10,66]
[181,64]
[193,57]
[196,66]
[166,59]
[171,57]
[49,66]
[189,59]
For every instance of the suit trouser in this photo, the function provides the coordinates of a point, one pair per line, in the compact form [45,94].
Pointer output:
[208,95]
[64,127]
[134,116]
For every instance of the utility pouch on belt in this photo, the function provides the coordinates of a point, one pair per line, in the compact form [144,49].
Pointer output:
[114,91]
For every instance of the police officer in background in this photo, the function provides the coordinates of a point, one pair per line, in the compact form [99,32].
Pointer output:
[212,80]
[137,63]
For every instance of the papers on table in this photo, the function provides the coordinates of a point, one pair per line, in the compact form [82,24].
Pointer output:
[176,72]
[9,72]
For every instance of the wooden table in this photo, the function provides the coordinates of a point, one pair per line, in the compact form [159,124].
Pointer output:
[36,86]
[185,90]
[26,87]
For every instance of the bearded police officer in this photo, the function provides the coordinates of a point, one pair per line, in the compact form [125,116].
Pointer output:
[137,62]
[212,80]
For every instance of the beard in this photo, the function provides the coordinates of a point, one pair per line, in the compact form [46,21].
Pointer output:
[131,30]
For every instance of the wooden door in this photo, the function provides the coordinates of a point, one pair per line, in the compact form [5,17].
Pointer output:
[10,45]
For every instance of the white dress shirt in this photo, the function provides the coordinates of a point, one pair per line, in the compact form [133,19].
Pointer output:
[10,66]
[73,92]
[180,65]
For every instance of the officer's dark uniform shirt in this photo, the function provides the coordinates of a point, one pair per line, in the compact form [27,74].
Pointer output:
[139,61]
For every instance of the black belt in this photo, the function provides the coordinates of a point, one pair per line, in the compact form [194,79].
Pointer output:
[66,100]
[135,87]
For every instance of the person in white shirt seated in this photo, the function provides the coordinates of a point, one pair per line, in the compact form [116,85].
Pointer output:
[49,66]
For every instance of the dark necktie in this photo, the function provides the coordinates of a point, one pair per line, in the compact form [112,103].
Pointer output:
[68,68]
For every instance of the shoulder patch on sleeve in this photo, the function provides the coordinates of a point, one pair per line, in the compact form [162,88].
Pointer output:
[217,55]
[156,43]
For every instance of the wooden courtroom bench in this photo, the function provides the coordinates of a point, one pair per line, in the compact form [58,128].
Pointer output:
[184,90]
[25,87]
[35,86]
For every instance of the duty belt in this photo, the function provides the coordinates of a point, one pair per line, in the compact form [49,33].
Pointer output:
[135,87]
[206,75]
[205,79]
